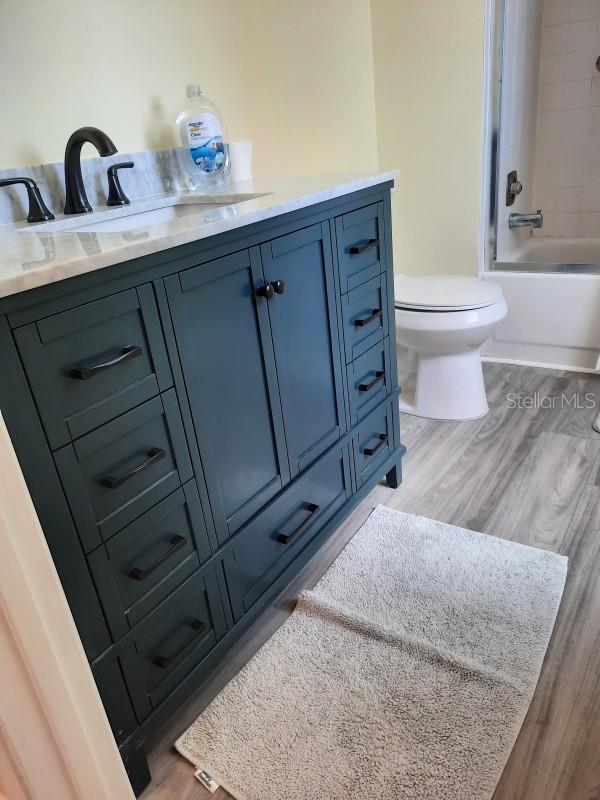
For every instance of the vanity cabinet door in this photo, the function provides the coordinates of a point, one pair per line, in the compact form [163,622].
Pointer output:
[304,324]
[224,344]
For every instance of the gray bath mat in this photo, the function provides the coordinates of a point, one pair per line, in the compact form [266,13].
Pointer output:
[406,673]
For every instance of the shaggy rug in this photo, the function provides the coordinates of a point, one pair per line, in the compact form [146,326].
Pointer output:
[405,673]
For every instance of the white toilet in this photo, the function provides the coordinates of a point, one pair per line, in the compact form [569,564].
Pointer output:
[444,320]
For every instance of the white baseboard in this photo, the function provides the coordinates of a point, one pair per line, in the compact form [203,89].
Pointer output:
[542,364]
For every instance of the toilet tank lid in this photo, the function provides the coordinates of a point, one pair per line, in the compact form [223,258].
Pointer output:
[445,292]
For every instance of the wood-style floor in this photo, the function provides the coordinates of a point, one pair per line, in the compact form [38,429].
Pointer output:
[531,475]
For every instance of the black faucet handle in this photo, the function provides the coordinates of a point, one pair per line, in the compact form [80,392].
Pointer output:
[112,170]
[38,211]
[116,195]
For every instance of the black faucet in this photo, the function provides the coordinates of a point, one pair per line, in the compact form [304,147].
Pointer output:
[76,201]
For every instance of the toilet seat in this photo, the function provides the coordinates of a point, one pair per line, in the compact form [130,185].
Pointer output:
[444,293]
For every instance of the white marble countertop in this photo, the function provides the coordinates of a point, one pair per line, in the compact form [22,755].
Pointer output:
[32,255]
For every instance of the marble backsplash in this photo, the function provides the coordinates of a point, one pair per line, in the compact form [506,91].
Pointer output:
[155,172]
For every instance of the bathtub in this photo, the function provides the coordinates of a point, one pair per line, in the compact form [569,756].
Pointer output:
[543,254]
[552,289]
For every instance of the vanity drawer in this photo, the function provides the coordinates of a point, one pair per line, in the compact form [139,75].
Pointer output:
[94,362]
[366,317]
[369,380]
[374,441]
[172,640]
[120,470]
[360,245]
[146,561]
[268,544]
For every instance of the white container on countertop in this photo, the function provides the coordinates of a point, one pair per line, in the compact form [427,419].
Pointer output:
[240,154]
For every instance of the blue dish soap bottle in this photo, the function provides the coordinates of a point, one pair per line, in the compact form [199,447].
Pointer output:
[202,142]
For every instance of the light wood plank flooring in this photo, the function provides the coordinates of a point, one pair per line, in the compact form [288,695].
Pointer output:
[531,475]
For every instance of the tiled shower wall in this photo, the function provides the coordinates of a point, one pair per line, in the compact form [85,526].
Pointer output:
[521,66]
[567,147]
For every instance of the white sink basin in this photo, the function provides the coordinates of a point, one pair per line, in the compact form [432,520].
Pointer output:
[144,213]
[141,219]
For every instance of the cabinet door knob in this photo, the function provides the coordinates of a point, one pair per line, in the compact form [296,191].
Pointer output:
[265,291]
[279,287]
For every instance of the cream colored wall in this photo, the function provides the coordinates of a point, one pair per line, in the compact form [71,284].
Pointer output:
[295,77]
[318,85]
[428,57]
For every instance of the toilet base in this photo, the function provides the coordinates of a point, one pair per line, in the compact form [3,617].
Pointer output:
[448,387]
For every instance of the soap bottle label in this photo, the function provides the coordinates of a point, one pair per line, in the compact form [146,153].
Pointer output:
[205,140]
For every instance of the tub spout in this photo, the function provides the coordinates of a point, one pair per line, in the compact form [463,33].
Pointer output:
[526,220]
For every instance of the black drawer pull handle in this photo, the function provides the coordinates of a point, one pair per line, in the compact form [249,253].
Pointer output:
[154,454]
[365,320]
[357,249]
[370,451]
[366,387]
[198,628]
[141,573]
[89,370]
[278,286]
[286,538]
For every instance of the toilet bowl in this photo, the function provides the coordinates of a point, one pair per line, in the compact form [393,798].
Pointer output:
[443,321]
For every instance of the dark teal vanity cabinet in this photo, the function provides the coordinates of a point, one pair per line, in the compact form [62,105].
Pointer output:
[192,426]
